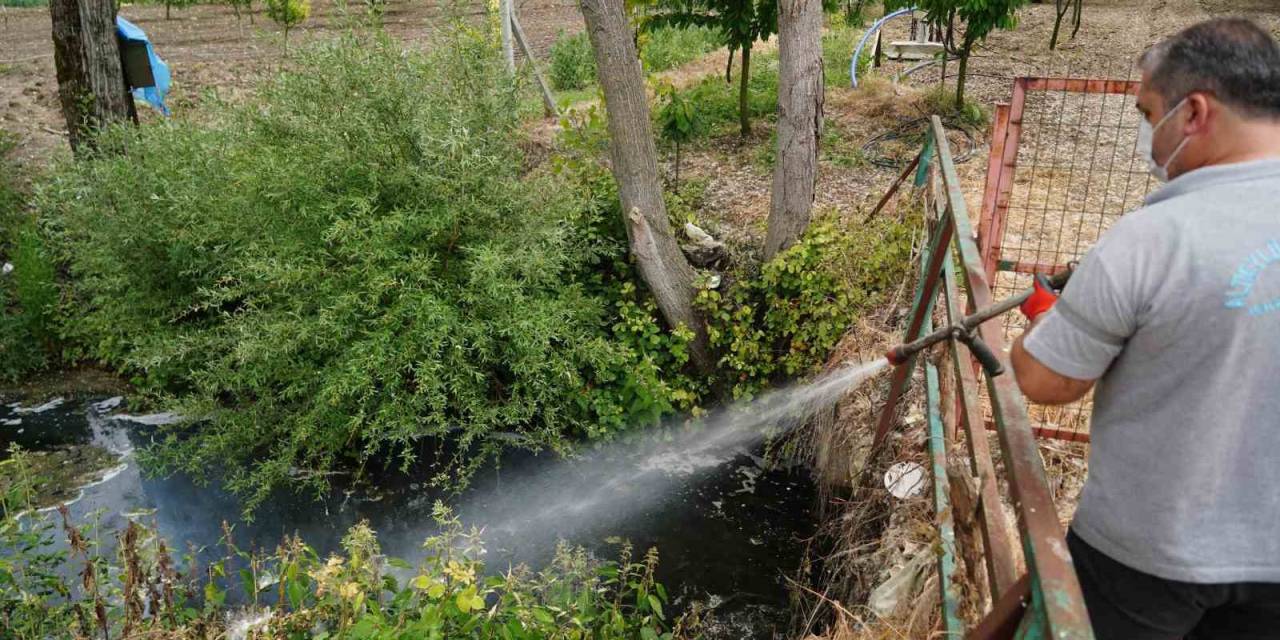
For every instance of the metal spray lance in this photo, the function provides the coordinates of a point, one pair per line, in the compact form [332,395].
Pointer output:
[965,329]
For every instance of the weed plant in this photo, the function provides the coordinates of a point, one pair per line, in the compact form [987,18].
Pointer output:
[782,322]
[143,591]
[668,47]
[28,292]
[573,65]
[716,101]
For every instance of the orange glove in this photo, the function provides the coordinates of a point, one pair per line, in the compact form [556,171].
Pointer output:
[1041,300]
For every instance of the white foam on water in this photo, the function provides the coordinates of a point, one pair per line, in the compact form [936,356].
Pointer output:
[108,404]
[150,419]
[52,404]
[240,625]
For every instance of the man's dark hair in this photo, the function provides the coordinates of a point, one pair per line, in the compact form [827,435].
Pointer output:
[1232,58]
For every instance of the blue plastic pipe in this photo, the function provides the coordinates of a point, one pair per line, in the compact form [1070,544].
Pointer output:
[857,53]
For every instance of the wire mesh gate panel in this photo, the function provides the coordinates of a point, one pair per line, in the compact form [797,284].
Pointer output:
[1063,167]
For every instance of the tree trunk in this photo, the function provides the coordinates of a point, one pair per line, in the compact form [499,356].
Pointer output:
[1060,9]
[800,94]
[86,54]
[635,167]
[744,95]
[677,167]
[962,73]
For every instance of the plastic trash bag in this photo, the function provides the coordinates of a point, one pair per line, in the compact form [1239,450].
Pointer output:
[153,95]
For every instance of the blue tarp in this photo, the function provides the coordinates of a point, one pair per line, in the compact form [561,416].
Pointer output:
[154,95]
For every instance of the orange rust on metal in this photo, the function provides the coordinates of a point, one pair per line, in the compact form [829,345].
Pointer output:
[1068,435]
[1083,85]
[1023,266]
[1055,582]
[996,538]
[923,306]
[1006,612]
[999,131]
[893,188]
[1008,166]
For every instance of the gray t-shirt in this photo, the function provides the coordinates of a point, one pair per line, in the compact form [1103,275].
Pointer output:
[1177,311]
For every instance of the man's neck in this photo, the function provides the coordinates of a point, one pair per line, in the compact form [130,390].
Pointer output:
[1248,141]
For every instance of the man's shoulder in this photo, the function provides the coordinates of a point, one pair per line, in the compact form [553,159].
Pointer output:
[1149,226]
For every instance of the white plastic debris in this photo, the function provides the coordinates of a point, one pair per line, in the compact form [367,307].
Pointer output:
[241,625]
[6,269]
[904,480]
[886,599]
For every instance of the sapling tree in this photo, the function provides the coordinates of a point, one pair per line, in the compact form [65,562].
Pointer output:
[241,5]
[740,22]
[678,120]
[1061,8]
[963,24]
[288,14]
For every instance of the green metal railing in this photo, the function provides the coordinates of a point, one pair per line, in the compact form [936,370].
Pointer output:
[1045,601]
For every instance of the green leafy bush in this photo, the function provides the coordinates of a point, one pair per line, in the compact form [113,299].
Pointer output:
[650,380]
[668,47]
[784,322]
[348,267]
[573,66]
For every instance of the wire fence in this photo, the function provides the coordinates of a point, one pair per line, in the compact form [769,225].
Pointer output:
[1064,167]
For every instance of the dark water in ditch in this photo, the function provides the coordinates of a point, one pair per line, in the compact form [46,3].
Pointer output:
[728,527]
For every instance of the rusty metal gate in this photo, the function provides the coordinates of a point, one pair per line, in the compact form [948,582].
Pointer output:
[1063,167]
[1042,600]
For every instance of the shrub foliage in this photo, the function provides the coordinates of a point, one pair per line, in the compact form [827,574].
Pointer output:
[784,322]
[349,267]
[573,65]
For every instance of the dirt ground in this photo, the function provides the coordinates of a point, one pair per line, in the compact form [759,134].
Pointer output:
[207,49]
[1112,35]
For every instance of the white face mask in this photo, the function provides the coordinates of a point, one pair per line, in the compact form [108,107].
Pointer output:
[1146,136]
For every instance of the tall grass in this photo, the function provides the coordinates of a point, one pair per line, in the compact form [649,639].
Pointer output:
[573,65]
[669,47]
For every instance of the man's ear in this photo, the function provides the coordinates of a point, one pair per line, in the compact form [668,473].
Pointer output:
[1200,107]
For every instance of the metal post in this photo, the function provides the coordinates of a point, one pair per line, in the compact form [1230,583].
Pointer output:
[506,13]
[548,101]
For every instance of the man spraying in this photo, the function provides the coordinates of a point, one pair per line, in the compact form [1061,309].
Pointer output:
[1175,317]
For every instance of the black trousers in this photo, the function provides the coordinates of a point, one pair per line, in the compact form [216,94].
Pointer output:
[1126,604]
